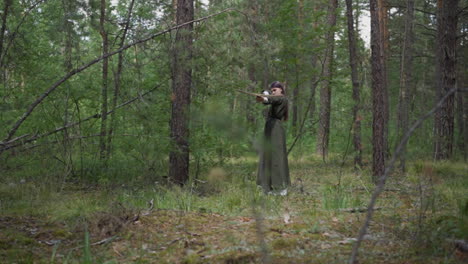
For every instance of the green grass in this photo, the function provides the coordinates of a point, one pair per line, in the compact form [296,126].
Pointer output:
[419,212]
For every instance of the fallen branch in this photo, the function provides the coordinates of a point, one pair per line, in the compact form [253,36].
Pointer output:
[101,242]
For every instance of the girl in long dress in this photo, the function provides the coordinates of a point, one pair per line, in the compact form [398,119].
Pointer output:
[273,169]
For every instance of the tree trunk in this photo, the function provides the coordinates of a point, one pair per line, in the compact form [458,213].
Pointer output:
[105,63]
[68,65]
[181,86]
[248,101]
[353,57]
[298,66]
[378,95]
[313,80]
[405,80]
[465,122]
[115,97]
[446,58]
[6,8]
[295,101]
[384,38]
[462,100]
[461,124]
[325,91]
[252,7]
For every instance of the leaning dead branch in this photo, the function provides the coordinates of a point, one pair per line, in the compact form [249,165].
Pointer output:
[100,242]
[41,98]
[381,183]
[9,144]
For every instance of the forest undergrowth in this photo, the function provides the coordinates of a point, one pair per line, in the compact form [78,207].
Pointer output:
[222,217]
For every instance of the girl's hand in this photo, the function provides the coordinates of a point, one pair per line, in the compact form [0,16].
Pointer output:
[259,99]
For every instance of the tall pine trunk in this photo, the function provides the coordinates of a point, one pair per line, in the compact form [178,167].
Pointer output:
[181,86]
[298,66]
[384,49]
[314,78]
[68,66]
[353,58]
[406,69]
[117,82]
[325,91]
[462,96]
[446,58]
[6,8]
[252,31]
[105,63]
[378,95]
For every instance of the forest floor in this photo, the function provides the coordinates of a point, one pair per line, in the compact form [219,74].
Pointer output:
[226,219]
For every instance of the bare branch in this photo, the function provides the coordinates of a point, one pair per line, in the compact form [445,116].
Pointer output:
[7,145]
[416,9]
[426,27]
[28,112]
[309,105]
[13,35]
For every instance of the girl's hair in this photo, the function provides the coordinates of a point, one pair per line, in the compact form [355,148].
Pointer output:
[277,84]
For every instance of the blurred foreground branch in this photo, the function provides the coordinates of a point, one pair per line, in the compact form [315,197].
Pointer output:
[381,183]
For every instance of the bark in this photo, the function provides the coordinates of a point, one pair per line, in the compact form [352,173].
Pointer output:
[112,125]
[405,79]
[248,101]
[325,91]
[461,124]
[313,80]
[6,8]
[462,98]
[181,86]
[295,102]
[298,66]
[353,58]
[446,58]
[68,65]
[252,73]
[465,121]
[105,64]
[384,39]
[378,95]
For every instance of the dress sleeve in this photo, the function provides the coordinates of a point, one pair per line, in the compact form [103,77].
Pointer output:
[275,100]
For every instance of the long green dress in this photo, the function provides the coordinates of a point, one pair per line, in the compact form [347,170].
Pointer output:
[273,169]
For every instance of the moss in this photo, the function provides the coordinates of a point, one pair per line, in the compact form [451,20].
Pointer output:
[62,233]
[284,243]
[192,258]
[237,258]
[17,255]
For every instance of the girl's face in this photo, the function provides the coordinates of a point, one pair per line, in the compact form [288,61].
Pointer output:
[276,91]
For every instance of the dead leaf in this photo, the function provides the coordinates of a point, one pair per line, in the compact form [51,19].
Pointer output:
[325,246]
[245,219]
[347,241]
